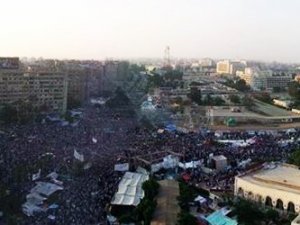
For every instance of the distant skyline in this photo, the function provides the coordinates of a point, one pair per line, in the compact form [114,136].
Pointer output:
[266,30]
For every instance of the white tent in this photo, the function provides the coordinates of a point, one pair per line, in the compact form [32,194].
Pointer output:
[130,190]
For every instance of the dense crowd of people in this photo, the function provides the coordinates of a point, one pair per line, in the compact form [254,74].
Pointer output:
[100,136]
[106,138]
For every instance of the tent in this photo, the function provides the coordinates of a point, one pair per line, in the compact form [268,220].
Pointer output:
[230,122]
[170,127]
[217,218]
[130,190]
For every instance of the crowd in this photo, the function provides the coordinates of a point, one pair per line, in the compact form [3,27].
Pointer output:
[106,138]
[100,136]
[266,147]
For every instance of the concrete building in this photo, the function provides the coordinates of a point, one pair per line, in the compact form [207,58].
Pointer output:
[275,185]
[261,80]
[223,67]
[45,90]
[280,81]
[230,67]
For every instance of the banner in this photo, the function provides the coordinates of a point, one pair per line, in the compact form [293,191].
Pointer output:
[78,156]
[122,167]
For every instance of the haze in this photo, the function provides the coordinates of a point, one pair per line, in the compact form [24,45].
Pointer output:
[96,29]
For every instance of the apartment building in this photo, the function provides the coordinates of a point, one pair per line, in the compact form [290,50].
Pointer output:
[45,90]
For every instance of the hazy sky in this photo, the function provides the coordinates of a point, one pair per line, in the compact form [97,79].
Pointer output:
[96,29]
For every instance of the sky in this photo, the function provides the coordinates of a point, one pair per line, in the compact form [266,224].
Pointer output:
[266,30]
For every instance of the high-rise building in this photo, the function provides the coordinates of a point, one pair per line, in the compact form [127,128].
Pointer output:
[230,67]
[44,90]
[223,67]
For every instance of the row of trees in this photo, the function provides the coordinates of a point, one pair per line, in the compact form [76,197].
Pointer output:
[171,78]
[249,214]
[21,111]
[186,195]
[196,96]
[238,84]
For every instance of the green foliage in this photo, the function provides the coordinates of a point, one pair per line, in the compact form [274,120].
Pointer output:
[135,68]
[216,101]
[295,158]
[187,195]
[73,102]
[173,75]
[235,99]
[277,89]
[264,97]
[8,114]
[247,102]
[248,213]
[271,214]
[294,90]
[20,111]
[195,95]
[155,81]
[144,211]
[185,218]
[150,188]
[238,84]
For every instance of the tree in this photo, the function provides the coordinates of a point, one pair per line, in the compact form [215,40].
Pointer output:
[241,85]
[295,158]
[150,188]
[195,95]
[185,218]
[264,97]
[155,81]
[248,213]
[276,89]
[208,100]
[218,101]
[8,113]
[294,90]
[247,102]
[235,99]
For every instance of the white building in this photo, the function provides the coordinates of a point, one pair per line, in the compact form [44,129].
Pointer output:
[274,185]
[230,67]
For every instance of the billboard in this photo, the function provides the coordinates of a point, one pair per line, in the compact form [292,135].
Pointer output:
[9,62]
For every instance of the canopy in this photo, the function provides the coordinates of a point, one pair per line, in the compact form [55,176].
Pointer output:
[130,190]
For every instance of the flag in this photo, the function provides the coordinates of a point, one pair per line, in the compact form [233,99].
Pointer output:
[36,175]
[78,156]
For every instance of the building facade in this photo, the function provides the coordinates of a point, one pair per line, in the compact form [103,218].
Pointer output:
[223,67]
[264,79]
[273,185]
[47,91]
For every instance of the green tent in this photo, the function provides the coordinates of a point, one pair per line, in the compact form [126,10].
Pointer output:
[230,122]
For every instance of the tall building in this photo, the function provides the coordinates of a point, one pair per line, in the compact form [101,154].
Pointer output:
[223,67]
[45,90]
[230,67]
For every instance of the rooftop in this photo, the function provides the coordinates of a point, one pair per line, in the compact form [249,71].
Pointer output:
[217,218]
[279,176]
